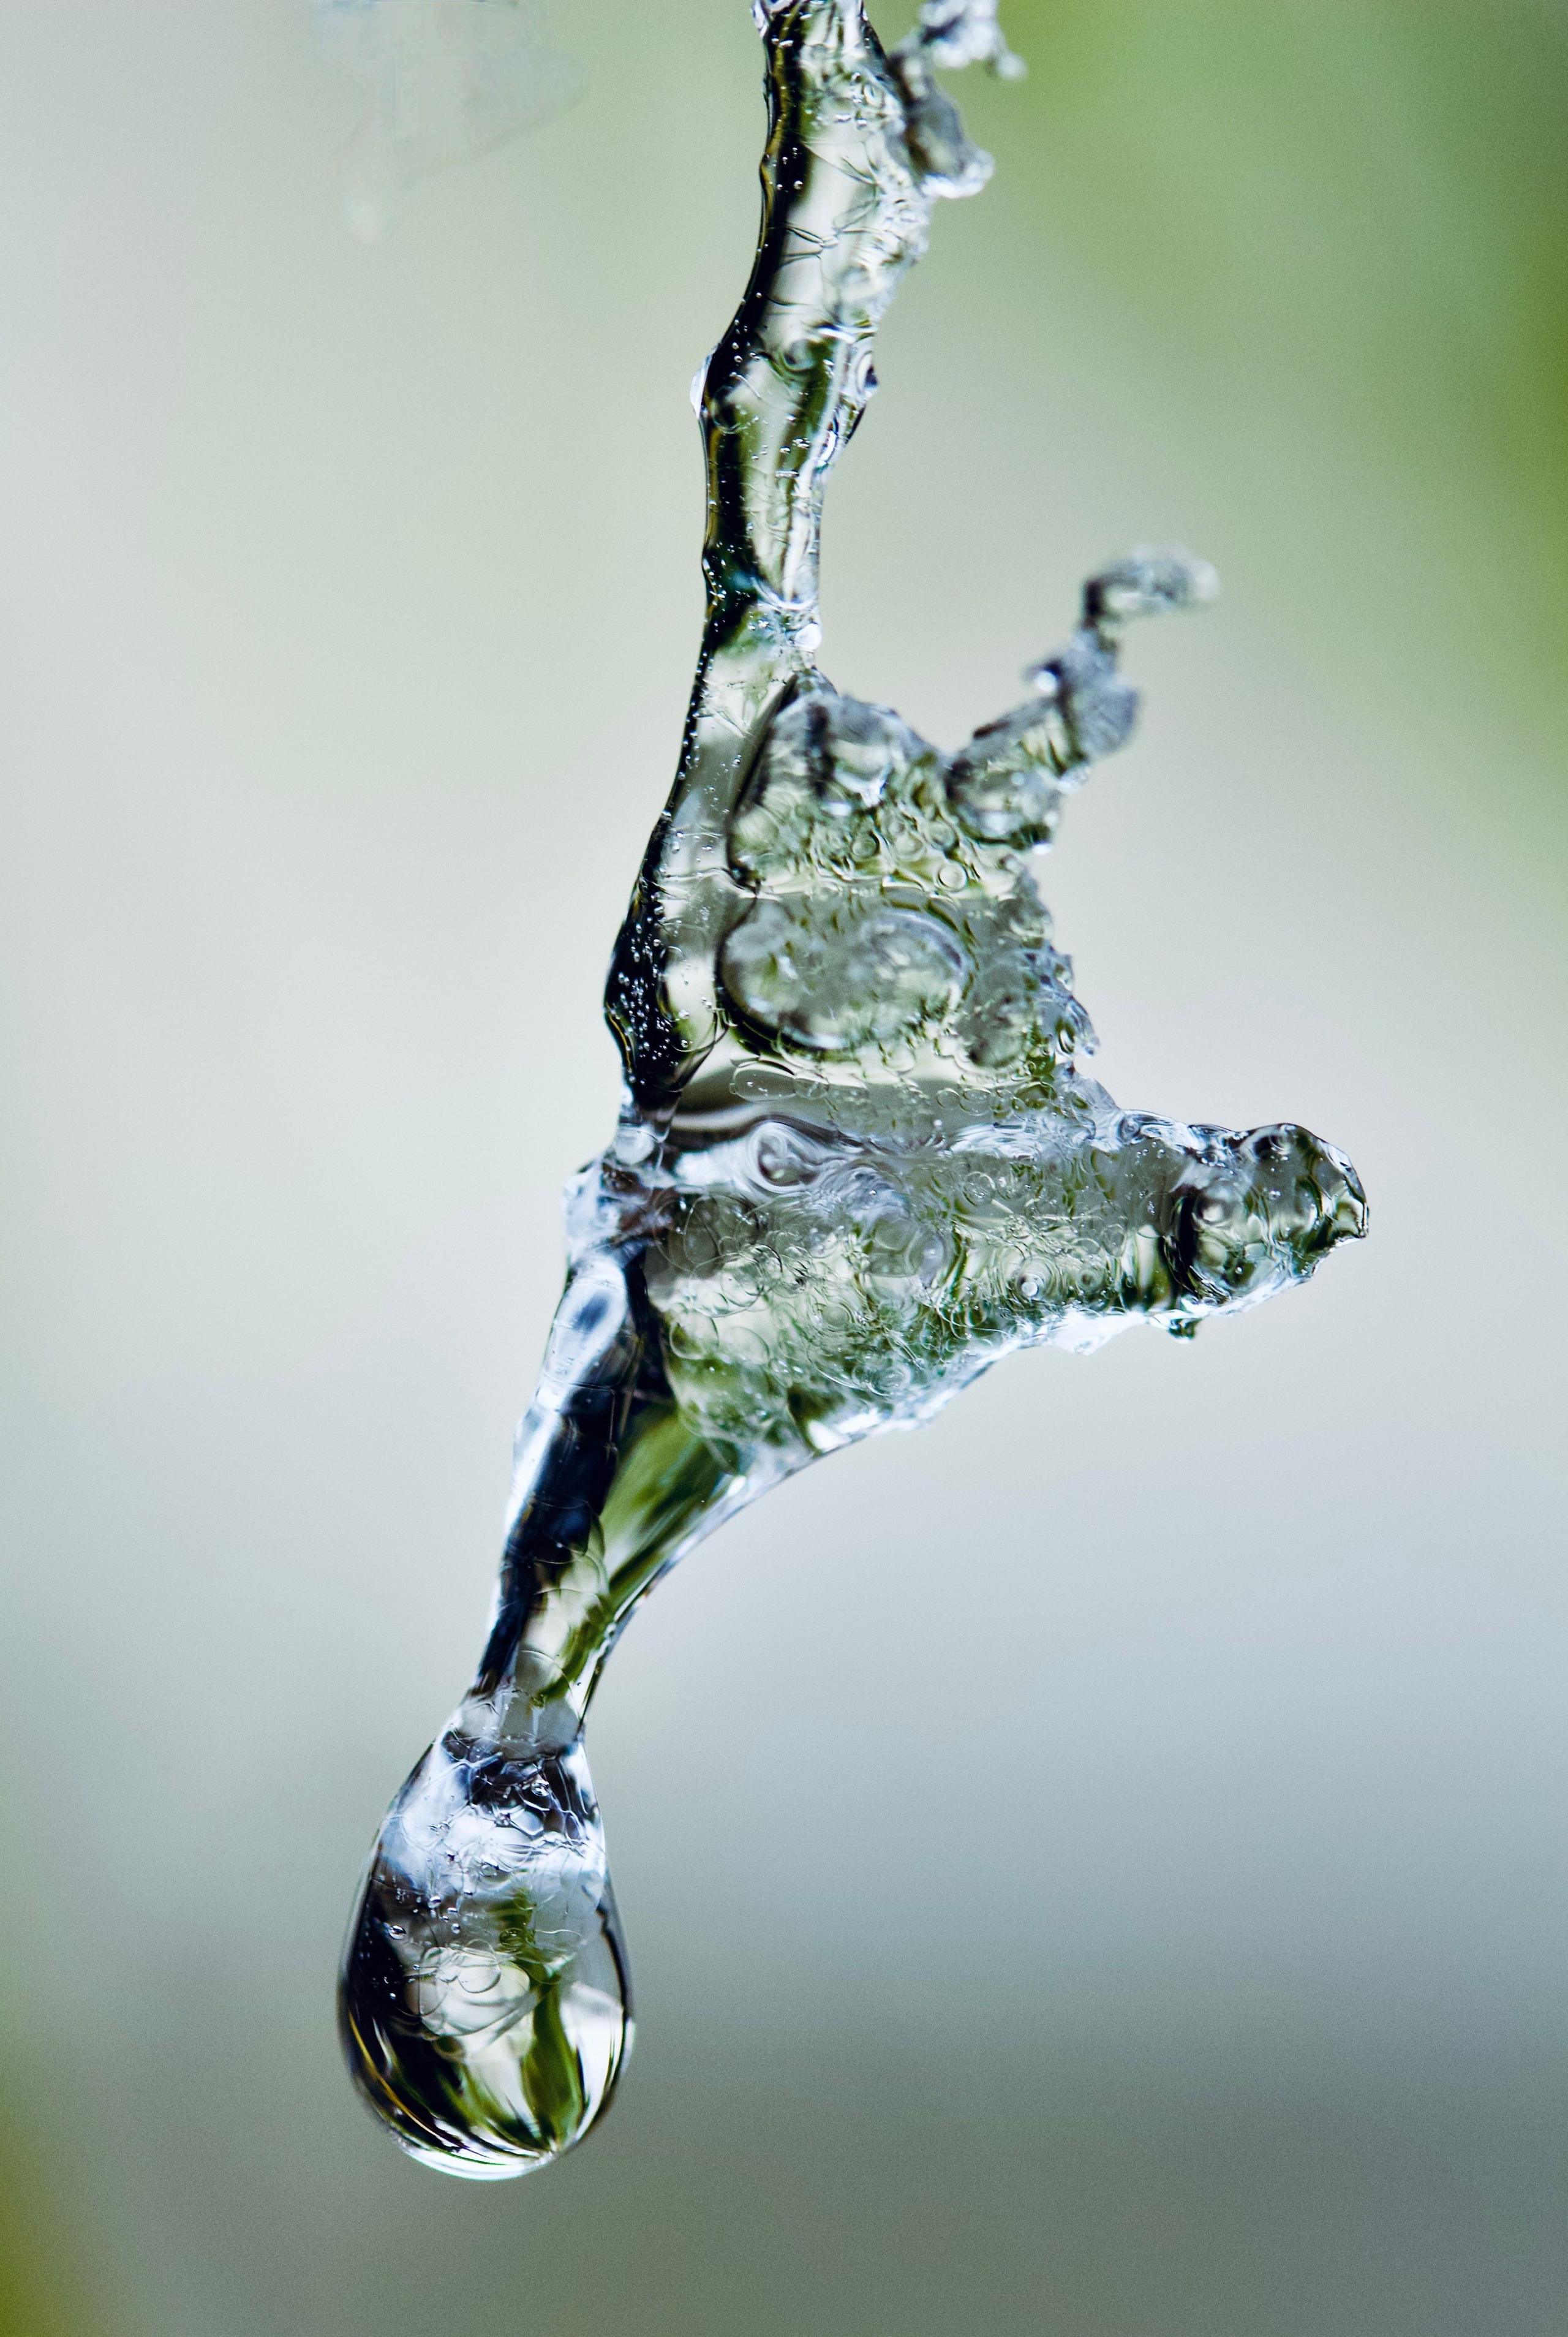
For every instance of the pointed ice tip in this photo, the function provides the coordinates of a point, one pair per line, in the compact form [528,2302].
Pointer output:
[957,32]
[1311,1190]
[1348,1210]
[1145,585]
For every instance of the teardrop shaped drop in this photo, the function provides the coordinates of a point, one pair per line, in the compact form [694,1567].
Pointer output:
[485,2005]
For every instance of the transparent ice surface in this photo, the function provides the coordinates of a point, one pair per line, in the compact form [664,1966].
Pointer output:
[442,80]
[859,1157]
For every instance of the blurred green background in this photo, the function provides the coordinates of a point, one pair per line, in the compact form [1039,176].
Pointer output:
[1100,1866]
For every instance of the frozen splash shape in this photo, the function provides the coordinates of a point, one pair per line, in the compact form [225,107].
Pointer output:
[858,1159]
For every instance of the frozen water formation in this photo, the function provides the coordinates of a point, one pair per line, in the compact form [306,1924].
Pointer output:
[442,81]
[858,1159]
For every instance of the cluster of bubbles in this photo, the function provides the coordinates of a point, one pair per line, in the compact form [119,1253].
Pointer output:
[927,1176]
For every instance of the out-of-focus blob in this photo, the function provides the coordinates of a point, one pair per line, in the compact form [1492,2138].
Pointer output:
[443,81]
[859,1158]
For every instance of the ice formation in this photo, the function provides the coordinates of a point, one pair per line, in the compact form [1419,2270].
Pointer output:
[859,1158]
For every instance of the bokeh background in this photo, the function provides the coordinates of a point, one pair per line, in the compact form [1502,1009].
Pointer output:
[1100,1866]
